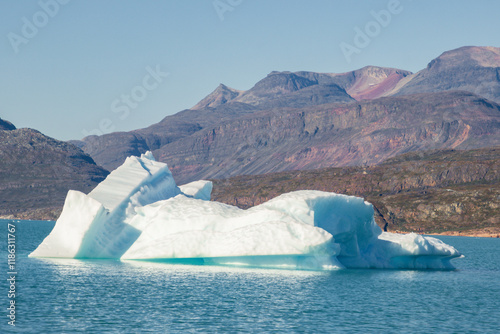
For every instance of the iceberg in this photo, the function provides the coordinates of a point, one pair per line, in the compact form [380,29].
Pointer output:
[139,213]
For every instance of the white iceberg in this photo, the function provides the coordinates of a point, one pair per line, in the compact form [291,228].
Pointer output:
[139,213]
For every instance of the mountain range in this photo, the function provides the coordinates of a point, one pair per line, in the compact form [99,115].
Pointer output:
[37,171]
[308,120]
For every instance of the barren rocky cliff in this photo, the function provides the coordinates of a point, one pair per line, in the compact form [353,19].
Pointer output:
[427,192]
[37,171]
[358,133]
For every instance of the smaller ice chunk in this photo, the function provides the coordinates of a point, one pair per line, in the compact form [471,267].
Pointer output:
[78,214]
[148,155]
[198,189]
[415,244]
[415,251]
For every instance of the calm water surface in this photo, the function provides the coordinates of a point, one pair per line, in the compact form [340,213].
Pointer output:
[99,296]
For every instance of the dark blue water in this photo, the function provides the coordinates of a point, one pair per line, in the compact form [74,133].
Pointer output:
[54,296]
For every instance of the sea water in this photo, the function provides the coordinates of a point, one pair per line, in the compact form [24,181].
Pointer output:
[99,296]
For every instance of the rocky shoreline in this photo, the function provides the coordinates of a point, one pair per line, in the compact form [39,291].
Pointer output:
[36,214]
[483,233]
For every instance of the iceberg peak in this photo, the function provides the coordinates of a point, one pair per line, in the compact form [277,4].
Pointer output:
[148,155]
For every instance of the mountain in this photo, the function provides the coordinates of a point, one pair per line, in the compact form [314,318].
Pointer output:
[6,125]
[358,133]
[280,89]
[308,120]
[111,150]
[426,191]
[473,69]
[219,96]
[369,82]
[37,171]
[276,90]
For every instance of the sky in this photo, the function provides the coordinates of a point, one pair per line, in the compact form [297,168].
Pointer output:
[71,68]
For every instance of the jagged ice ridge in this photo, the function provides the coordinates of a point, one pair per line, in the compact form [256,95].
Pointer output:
[139,213]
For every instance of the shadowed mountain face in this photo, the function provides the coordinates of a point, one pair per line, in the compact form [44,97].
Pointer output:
[6,125]
[473,69]
[359,133]
[37,171]
[307,120]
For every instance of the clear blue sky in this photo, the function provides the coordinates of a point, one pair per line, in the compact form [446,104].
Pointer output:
[74,71]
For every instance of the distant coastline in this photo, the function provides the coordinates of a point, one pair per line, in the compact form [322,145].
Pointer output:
[483,233]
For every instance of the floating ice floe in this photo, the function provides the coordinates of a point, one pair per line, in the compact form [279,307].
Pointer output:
[139,213]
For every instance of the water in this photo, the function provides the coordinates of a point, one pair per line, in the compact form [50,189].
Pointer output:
[99,296]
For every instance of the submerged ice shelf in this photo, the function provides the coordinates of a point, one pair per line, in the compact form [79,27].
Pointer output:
[139,213]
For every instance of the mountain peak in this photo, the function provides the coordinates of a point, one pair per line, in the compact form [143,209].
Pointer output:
[282,82]
[278,73]
[6,125]
[275,84]
[221,95]
[471,68]
[484,56]
[371,82]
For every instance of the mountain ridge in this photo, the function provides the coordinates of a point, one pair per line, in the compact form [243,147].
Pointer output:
[360,133]
[453,76]
[470,68]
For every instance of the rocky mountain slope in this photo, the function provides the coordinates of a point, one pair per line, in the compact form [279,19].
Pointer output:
[277,90]
[369,82]
[307,120]
[37,171]
[6,125]
[473,69]
[427,192]
[359,133]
